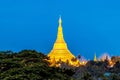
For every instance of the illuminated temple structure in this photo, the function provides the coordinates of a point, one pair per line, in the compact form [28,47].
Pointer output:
[95,58]
[60,51]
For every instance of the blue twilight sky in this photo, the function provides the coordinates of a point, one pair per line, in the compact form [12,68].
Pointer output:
[89,26]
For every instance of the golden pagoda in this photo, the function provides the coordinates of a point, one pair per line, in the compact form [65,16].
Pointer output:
[95,58]
[60,51]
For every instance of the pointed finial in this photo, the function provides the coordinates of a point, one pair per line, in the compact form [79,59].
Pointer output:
[60,20]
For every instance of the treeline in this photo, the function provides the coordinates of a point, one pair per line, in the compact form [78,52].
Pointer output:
[29,65]
[33,65]
[99,70]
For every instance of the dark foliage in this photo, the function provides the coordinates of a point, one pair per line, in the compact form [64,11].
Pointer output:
[97,70]
[29,65]
[33,65]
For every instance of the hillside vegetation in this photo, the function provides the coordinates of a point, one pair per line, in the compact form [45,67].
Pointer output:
[33,65]
[29,65]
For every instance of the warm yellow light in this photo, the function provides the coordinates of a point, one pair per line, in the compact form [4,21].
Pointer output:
[83,62]
[60,51]
[111,64]
[95,58]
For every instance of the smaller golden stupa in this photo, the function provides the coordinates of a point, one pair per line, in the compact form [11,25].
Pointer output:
[60,51]
[95,58]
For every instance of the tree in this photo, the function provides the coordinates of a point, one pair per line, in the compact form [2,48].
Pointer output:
[29,65]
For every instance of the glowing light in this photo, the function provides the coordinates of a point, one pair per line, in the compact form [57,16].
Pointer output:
[104,56]
[60,52]
[95,58]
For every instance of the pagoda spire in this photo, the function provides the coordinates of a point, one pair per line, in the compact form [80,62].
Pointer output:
[60,37]
[60,51]
[95,58]
[60,21]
